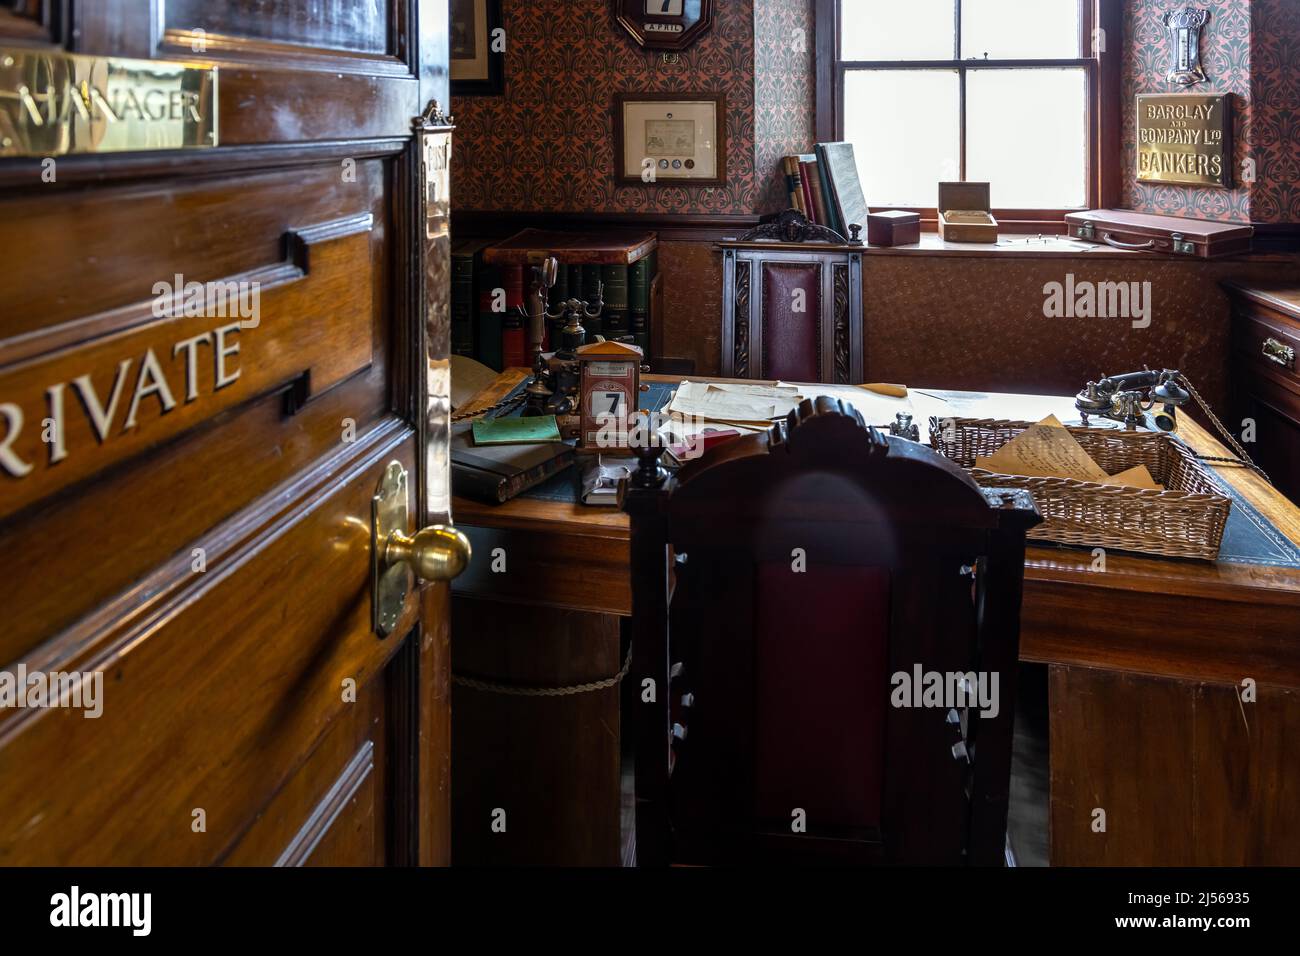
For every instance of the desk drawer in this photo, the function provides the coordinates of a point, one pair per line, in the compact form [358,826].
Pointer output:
[1267,343]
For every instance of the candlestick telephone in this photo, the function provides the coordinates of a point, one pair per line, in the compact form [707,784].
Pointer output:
[1129,397]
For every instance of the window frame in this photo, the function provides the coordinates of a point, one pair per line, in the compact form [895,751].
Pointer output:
[1103,85]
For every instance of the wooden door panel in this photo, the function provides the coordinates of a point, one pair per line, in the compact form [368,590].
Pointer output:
[119,544]
[202,541]
[158,378]
[331,809]
[103,244]
[334,24]
[210,703]
[31,21]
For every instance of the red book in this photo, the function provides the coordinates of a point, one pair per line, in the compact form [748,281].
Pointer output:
[807,176]
[514,337]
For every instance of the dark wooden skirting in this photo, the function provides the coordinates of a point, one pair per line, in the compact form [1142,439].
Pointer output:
[1270,238]
[691,227]
[1277,237]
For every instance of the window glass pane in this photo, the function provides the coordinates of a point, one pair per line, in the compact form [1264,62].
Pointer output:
[1027,135]
[894,30]
[1020,29]
[903,125]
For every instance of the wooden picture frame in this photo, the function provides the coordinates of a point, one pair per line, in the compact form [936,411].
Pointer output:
[643,123]
[475,69]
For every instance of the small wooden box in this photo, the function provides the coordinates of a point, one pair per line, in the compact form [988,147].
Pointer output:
[893,227]
[972,217]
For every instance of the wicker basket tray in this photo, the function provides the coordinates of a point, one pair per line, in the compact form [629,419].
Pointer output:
[1186,520]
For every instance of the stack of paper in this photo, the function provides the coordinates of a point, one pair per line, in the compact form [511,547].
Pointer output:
[756,406]
[752,405]
[1048,450]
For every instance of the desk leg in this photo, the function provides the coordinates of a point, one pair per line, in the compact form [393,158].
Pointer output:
[551,763]
[1185,773]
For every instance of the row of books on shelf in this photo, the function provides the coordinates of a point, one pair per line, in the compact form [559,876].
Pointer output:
[824,186]
[487,321]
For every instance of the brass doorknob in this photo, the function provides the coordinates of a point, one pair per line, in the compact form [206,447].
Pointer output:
[436,553]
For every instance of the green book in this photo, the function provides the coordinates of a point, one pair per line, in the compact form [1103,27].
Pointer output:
[466,261]
[489,321]
[638,298]
[530,430]
[591,280]
[616,300]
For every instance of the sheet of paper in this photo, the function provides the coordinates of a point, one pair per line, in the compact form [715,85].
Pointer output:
[876,408]
[1045,450]
[1136,477]
[719,402]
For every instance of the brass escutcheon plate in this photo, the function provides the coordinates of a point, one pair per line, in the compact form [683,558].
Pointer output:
[389,583]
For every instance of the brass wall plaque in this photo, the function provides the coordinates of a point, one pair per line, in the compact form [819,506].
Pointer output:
[52,104]
[1184,138]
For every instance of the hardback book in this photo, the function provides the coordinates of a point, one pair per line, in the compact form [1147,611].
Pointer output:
[832,220]
[639,276]
[466,262]
[497,473]
[813,184]
[615,321]
[489,318]
[514,337]
[846,189]
[591,288]
[793,182]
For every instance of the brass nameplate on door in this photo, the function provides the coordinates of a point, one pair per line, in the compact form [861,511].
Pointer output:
[53,104]
[1184,138]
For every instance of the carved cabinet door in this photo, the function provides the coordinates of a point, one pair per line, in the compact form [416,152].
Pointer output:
[223,401]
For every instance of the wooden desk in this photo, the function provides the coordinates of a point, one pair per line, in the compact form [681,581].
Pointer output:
[1145,662]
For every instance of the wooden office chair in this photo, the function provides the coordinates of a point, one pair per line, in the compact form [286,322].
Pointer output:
[779,584]
[792,303]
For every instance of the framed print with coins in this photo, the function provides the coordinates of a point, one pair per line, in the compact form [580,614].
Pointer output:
[670,138]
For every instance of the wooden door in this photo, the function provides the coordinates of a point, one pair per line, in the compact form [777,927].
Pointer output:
[186,483]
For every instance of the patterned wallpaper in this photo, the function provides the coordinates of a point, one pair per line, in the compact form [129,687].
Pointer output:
[1251,49]
[1225,55]
[547,145]
[1275,126]
[785,94]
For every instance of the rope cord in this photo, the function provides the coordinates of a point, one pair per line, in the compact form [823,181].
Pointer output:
[521,690]
[1243,459]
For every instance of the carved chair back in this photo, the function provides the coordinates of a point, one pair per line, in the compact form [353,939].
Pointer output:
[792,304]
[794,595]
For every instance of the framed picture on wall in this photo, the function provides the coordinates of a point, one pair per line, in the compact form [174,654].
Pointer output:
[670,138]
[477,48]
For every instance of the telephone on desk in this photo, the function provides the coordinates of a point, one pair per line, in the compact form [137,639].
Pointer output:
[1126,398]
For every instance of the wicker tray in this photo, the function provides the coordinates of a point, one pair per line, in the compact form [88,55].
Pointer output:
[1186,520]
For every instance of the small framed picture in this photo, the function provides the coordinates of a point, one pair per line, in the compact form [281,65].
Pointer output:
[477,48]
[670,138]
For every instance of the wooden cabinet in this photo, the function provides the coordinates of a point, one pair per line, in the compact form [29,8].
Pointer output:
[1265,377]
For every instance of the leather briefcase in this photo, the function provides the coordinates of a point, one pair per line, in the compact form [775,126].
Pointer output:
[1172,235]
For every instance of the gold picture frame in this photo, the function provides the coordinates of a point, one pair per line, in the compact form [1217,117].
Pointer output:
[670,138]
